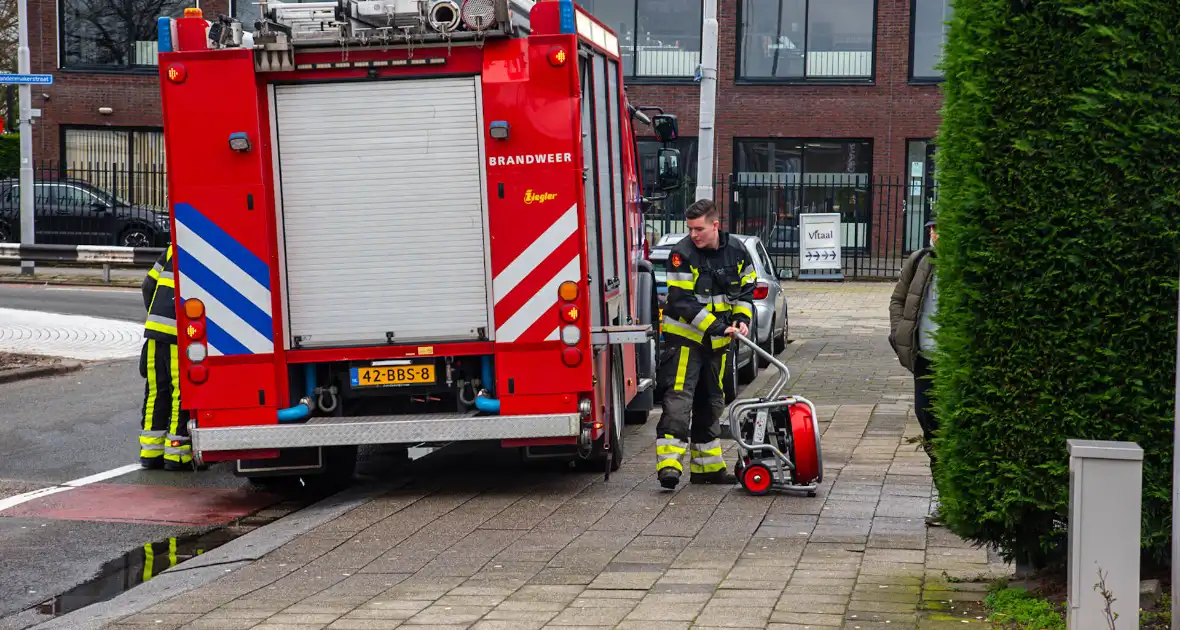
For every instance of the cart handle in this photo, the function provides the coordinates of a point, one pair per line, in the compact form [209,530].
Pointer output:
[784,373]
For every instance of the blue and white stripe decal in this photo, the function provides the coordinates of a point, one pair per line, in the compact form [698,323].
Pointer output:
[233,283]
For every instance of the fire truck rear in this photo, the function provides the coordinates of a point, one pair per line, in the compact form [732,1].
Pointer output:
[407,222]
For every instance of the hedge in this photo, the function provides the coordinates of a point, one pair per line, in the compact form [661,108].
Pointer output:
[9,155]
[1059,208]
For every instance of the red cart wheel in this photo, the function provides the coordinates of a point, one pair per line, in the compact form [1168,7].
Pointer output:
[756,479]
[805,434]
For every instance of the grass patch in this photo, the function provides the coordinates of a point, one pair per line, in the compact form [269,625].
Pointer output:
[1017,609]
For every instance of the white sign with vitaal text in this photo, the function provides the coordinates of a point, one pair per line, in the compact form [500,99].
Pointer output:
[819,240]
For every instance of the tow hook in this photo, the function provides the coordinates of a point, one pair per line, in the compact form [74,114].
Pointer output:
[330,394]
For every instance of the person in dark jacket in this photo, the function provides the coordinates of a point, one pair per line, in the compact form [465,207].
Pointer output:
[163,437]
[710,298]
[911,309]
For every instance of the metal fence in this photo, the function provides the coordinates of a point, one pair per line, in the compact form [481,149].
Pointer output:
[882,221]
[90,204]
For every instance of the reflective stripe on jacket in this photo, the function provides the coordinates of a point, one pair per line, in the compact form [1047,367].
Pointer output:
[159,298]
[708,291]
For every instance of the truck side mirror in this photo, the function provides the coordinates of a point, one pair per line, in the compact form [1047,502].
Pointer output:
[664,126]
[669,169]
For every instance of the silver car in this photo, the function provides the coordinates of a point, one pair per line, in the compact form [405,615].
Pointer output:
[771,324]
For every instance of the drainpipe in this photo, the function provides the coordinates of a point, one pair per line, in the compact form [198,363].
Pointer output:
[484,401]
[303,410]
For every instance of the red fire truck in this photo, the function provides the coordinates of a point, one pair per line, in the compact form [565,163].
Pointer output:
[407,222]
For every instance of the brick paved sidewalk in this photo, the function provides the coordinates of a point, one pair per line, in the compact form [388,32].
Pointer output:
[477,541]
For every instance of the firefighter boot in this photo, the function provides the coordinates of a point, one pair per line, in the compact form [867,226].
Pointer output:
[669,477]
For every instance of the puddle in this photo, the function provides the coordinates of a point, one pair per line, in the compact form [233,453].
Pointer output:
[134,568]
[153,558]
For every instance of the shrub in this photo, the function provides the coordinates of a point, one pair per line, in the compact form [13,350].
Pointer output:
[9,155]
[1059,173]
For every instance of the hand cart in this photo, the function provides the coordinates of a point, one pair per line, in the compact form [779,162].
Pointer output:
[777,437]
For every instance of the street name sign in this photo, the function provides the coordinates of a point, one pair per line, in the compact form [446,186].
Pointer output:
[26,79]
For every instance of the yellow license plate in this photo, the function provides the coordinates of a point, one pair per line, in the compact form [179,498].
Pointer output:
[415,374]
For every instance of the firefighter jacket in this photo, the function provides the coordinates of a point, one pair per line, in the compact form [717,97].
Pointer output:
[708,291]
[159,289]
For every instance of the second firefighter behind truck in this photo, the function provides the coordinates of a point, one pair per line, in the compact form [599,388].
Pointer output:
[163,436]
[710,297]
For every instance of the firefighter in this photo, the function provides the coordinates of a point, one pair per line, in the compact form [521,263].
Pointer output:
[710,298]
[163,437]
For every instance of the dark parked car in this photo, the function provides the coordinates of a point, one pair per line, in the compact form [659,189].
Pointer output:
[73,212]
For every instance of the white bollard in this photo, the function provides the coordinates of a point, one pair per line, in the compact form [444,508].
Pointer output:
[1105,501]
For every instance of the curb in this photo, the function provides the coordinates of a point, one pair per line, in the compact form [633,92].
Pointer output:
[234,555]
[22,374]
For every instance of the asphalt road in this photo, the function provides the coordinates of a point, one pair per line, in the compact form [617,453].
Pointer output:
[55,430]
[60,429]
[110,303]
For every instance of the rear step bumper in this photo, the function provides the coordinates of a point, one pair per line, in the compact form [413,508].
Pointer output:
[407,429]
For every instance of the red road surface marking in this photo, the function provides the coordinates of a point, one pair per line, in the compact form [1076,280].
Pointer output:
[147,505]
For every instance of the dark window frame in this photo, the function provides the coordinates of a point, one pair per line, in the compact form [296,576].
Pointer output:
[913,38]
[130,129]
[737,140]
[909,140]
[741,80]
[138,183]
[802,186]
[64,65]
[633,78]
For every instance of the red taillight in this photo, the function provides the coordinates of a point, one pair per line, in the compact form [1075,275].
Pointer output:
[761,290]
[569,313]
[198,374]
[571,356]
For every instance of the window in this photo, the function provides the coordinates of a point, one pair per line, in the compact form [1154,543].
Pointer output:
[128,163]
[921,191]
[777,179]
[112,34]
[929,19]
[657,38]
[806,39]
[767,261]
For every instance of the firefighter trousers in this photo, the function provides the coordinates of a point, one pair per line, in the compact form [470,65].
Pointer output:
[164,425]
[691,378]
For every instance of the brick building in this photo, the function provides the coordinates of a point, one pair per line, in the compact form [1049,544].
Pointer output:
[812,95]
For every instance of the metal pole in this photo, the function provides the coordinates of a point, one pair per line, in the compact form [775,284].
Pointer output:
[26,136]
[708,102]
[1176,483]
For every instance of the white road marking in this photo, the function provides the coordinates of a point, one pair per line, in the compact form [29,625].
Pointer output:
[69,485]
[82,290]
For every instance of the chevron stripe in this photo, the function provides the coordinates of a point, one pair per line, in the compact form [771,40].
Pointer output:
[233,283]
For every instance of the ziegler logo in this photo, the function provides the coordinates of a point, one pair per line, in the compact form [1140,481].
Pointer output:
[530,196]
[528,159]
